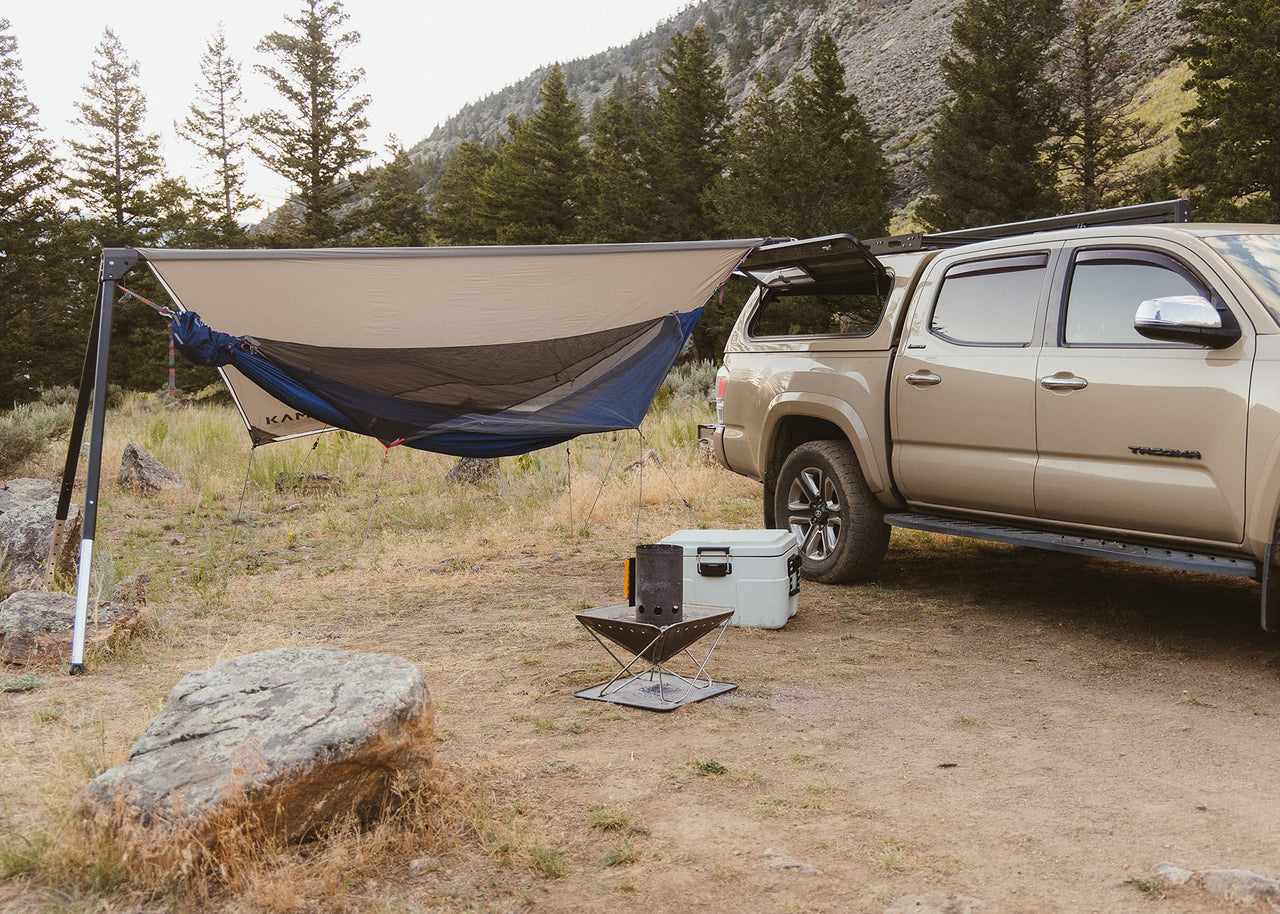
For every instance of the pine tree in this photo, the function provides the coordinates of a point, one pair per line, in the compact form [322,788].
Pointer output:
[691,136]
[396,212]
[319,133]
[753,196]
[618,190]
[457,218]
[533,193]
[37,288]
[806,163]
[847,181]
[1102,135]
[214,126]
[988,161]
[1230,154]
[118,162]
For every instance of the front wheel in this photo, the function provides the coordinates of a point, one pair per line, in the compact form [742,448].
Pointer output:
[824,500]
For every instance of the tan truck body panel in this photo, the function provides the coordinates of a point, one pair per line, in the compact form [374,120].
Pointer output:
[998,431]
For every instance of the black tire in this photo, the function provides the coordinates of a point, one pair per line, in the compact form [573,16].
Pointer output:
[823,498]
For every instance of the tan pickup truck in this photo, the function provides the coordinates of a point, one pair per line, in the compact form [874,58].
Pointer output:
[1110,388]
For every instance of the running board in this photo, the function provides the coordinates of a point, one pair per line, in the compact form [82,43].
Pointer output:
[1079,545]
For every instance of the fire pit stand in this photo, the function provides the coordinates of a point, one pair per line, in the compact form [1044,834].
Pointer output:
[647,679]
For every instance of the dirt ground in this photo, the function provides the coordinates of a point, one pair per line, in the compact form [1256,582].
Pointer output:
[1033,730]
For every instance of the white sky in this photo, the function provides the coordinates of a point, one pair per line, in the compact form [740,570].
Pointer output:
[422,60]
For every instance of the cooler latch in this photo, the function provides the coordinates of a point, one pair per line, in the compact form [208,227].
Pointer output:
[713,562]
[793,574]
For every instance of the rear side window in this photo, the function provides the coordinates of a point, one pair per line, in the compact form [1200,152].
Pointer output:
[784,312]
[990,302]
[1106,288]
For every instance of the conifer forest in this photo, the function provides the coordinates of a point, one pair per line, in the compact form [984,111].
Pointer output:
[1042,113]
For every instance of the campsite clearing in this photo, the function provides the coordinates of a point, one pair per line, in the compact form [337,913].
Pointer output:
[1030,729]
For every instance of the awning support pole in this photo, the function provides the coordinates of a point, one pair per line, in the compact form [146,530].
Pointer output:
[115,263]
[73,448]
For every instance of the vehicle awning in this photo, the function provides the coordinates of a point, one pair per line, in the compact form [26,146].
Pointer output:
[480,351]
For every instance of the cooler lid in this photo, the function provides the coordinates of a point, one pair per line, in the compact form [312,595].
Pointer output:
[741,543]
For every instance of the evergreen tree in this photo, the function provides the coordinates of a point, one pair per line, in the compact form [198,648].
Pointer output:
[753,196]
[457,218]
[847,181]
[533,192]
[117,161]
[215,127]
[618,192]
[690,138]
[319,133]
[1102,136]
[38,269]
[1230,154]
[396,214]
[987,163]
[805,164]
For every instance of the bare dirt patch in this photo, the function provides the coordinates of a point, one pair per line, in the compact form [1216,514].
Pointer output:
[1033,730]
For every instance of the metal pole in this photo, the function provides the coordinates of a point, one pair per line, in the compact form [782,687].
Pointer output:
[115,263]
[73,444]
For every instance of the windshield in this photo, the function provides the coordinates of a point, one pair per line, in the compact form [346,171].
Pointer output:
[1257,259]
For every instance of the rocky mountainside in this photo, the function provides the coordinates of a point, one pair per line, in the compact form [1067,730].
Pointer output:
[891,49]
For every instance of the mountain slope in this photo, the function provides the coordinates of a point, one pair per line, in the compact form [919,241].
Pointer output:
[891,50]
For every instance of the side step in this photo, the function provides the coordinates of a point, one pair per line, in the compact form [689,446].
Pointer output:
[1079,545]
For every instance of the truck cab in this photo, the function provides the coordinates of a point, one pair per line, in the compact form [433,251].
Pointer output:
[1107,388]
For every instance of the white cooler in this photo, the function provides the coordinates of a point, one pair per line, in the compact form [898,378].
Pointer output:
[757,572]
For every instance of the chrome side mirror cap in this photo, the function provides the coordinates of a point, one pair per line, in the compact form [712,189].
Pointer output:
[1186,319]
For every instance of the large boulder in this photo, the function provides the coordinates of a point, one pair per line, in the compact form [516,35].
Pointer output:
[277,743]
[36,626]
[143,473]
[27,509]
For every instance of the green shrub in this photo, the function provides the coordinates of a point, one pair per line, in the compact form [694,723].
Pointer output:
[27,430]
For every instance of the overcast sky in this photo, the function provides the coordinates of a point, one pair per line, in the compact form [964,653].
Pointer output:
[422,61]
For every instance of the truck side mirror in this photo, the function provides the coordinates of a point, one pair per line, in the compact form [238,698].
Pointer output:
[1186,319]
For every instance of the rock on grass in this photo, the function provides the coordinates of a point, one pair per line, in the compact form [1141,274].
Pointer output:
[276,745]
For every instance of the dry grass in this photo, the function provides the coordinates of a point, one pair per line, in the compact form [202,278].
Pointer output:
[241,564]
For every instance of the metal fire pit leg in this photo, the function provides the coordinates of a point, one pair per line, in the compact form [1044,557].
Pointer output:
[691,683]
[629,664]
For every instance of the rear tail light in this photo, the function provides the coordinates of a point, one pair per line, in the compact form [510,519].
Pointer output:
[722,381]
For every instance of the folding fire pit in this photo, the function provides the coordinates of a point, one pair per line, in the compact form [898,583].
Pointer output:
[647,680]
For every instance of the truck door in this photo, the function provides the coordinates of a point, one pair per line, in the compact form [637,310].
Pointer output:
[963,385]
[1134,433]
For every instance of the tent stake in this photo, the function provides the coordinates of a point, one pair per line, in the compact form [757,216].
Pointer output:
[115,263]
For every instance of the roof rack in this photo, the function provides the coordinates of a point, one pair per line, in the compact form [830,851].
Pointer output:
[1165,211]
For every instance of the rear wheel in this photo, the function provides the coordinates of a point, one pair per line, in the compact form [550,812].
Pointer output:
[824,500]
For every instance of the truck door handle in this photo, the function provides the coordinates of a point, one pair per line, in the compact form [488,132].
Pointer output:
[923,379]
[1057,382]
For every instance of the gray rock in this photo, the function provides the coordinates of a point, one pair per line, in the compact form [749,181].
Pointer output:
[777,859]
[132,589]
[307,482]
[36,625]
[472,471]
[143,473]
[279,742]
[424,865]
[936,903]
[27,509]
[1239,886]
[1174,875]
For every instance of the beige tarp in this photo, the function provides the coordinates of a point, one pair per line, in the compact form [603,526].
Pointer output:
[429,297]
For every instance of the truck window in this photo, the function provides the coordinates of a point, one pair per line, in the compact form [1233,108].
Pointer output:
[1106,287]
[990,302]
[788,312]
[1257,259]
